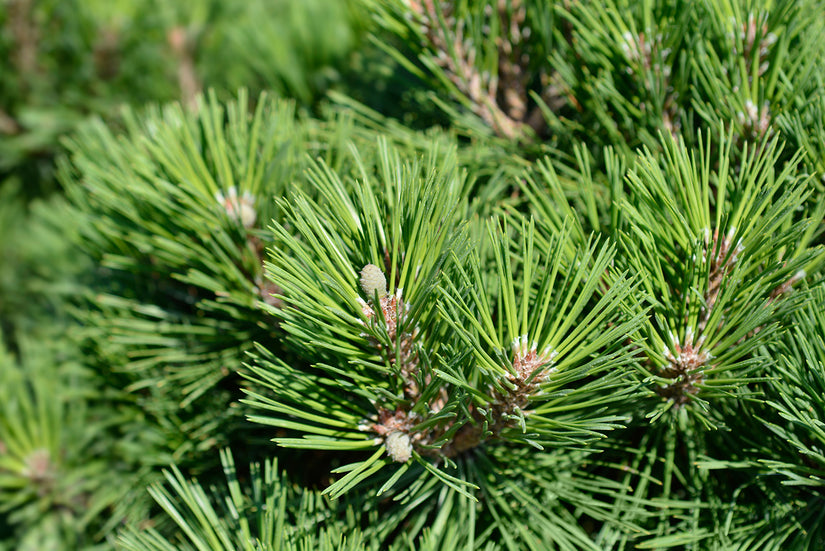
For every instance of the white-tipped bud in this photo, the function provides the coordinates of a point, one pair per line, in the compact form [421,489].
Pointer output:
[373,280]
[241,208]
[399,446]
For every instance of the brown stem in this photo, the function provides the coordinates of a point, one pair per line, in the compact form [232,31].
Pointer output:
[188,80]
[22,28]
[8,125]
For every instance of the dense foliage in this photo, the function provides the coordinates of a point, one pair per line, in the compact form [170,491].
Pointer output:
[412,275]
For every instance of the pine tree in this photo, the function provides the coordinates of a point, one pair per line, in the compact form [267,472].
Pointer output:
[575,303]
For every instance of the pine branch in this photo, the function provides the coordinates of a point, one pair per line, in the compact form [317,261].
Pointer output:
[57,472]
[266,514]
[718,250]
[480,54]
[173,212]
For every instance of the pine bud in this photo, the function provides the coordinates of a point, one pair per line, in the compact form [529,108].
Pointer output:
[238,208]
[399,446]
[372,280]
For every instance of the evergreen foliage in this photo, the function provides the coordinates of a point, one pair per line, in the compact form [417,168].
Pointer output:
[62,61]
[536,275]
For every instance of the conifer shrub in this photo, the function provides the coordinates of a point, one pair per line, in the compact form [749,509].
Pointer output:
[583,312]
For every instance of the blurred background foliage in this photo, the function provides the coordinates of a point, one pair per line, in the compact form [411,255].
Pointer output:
[64,60]
[64,417]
